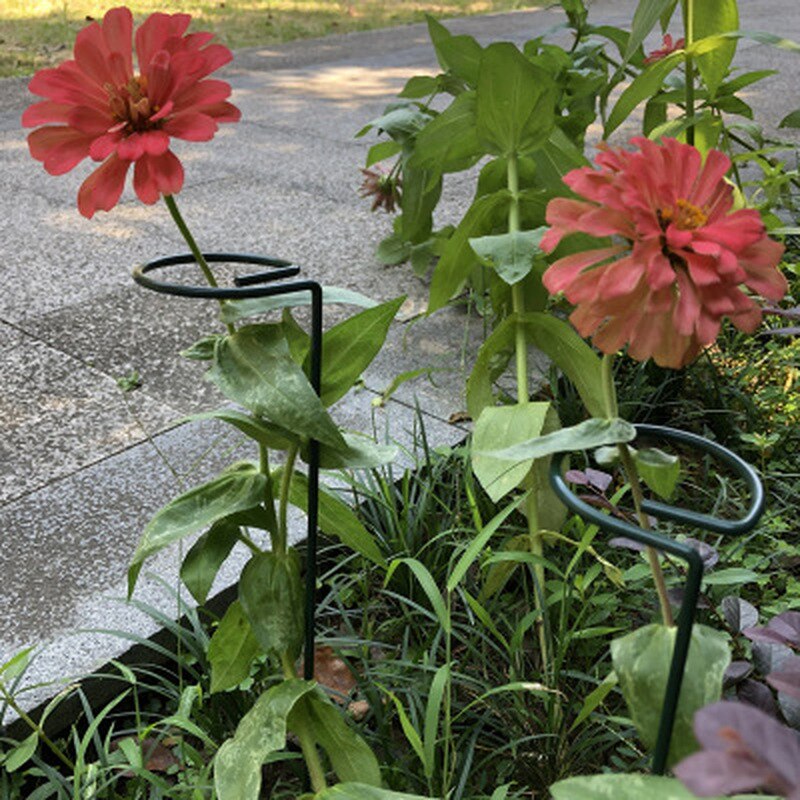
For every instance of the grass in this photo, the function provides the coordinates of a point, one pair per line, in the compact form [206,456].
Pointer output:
[39,33]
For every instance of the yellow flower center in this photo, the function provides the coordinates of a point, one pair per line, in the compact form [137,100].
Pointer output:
[683,215]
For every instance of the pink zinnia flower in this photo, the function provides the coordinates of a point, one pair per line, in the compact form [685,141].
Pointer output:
[97,105]
[678,259]
[667,48]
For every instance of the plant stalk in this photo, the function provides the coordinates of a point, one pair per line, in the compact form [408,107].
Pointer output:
[688,35]
[523,398]
[198,256]
[279,545]
[629,467]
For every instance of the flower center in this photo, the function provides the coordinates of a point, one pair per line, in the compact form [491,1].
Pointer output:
[683,215]
[130,105]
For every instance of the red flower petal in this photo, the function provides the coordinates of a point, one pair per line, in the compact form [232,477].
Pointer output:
[58,147]
[103,188]
[192,126]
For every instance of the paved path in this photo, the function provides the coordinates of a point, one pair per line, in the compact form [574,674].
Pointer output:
[83,465]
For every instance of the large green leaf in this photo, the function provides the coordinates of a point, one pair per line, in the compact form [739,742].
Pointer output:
[511,255]
[254,367]
[515,109]
[349,347]
[643,87]
[556,339]
[260,732]
[237,310]
[335,518]
[449,142]
[271,594]
[497,428]
[583,436]
[235,490]
[421,191]
[361,791]
[642,660]
[350,756]
[629,787]
[711,18]
[458,258]
[647,13]
[232,649]
[272,436]
[459,55]
[361,453]
[401,120]
[659,470]
[201,564]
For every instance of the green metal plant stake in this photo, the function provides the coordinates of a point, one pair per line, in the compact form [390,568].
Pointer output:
[266,283]
[681,551]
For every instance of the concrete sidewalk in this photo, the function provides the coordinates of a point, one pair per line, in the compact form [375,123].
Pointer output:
[83,465]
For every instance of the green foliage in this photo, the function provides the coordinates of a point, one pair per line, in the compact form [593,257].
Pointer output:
[627,787]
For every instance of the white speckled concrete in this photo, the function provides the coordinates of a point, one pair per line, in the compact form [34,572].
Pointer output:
[78,475]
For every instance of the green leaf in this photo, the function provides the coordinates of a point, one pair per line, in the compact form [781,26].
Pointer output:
[237,310]
[199,508]
[336,519]
[253,367]
[394,249]
[479,542]
[361,791]
[594,699]
[642,660]
[647,14]
[381,151]
[458,258]
[298,341]
[16,665]
[515,110]
[400,120]
[272,436]
[584,436]
[644,86]
[19,755]
[419,86]
[232,649]
[203,349]
[260,732]
[449,142]
[556,339]
[498,428]
[349,347]
[201,564]
[659,470]
[421,191]
[511,255]
[428,584]
[554,160]
[361,453]
[271,594]
[459,55]
[711,18]
[791,120]
[733,576]
[432,714]
[629,787]
[350,756]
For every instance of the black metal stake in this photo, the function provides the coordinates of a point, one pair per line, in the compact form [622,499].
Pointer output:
[682,551]
[264,284]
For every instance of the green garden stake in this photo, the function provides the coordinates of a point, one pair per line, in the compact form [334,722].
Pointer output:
[266,283]
[681,551]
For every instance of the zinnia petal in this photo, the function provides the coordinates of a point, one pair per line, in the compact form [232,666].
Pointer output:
[103,188]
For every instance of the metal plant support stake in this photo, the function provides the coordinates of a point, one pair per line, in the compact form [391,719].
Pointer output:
[265,284]
[682,551]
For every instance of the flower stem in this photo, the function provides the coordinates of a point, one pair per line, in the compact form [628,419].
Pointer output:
[628,465]
[279,546]
[198,256]
[688,35]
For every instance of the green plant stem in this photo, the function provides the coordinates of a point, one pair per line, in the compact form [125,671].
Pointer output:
[628,465]
[523,398]
[51,745]
[688,35]
[316,773]
[198,256]
[283,500]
